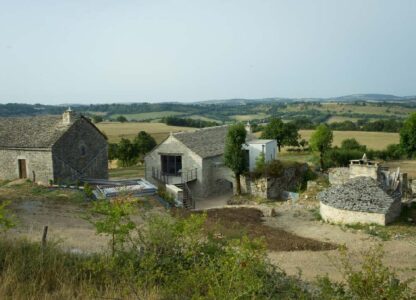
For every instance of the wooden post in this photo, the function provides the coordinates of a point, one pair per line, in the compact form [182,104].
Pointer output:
[45,232]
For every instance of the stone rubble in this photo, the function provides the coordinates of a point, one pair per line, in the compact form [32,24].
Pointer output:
[362,194]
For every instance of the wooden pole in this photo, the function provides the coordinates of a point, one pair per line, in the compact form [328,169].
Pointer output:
[45,233]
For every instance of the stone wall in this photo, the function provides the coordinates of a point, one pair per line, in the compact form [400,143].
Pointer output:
[337,176]
[81,152]
[336,215]
[358,170]
[273,187]
[38,164]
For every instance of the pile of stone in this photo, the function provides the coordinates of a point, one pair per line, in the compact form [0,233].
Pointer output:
[363,194]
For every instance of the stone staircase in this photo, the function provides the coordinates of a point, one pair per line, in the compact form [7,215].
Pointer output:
[188,201]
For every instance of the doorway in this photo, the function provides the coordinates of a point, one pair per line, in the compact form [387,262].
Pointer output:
[22,168]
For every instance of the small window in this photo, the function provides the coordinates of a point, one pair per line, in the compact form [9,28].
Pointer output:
[83,150]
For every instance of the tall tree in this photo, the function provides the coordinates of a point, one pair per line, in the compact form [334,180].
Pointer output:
[321,141]
[234,154]
[144,142]
[127,153]
[285,134]
[408,136]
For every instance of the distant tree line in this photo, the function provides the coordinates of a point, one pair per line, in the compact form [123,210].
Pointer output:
[188,122]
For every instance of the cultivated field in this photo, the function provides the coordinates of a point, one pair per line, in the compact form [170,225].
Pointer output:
[115,130]
[250,117]
[373,140]
[148,115]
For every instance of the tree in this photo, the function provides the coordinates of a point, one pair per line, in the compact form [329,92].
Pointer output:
[321,141]
[144,142]
[97,119]
[121,119]
[352,144]
[285,134]
[114,220]
[127,153]
[408,136]
[234,154]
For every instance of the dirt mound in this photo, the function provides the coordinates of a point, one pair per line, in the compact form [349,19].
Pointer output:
[236,222]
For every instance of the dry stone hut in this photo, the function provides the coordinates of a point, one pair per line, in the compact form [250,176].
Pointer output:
[363,193]
[359,200]
[59,148]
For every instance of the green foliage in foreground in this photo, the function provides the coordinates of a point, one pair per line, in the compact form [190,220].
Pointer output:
[371,281]
[6,221]
[176,258]
[168,258]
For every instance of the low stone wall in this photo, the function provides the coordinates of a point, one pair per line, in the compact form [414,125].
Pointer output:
[336,215]
[338,176]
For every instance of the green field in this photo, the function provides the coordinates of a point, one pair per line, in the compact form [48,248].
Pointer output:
[116,130]
[148,115]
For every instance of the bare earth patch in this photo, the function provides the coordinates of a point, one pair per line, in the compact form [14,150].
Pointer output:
[235,222]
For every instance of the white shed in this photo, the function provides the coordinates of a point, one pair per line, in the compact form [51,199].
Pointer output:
[255,147]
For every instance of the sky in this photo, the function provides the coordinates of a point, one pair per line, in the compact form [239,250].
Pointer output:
[96,51]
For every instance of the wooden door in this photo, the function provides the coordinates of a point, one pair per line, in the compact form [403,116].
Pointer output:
[22,168]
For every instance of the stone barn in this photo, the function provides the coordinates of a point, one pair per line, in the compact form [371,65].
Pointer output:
[52,148]
[192,160]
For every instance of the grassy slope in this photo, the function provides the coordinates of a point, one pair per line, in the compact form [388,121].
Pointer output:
[373,140]
[115,130]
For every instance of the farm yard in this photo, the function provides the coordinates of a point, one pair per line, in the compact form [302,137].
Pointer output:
[294,237]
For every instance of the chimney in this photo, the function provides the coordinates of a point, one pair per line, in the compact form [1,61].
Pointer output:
[248,127]
[68,116]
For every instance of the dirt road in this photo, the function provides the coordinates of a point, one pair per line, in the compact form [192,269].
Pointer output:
[399,254]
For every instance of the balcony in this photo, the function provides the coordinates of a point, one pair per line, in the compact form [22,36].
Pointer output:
[182,176]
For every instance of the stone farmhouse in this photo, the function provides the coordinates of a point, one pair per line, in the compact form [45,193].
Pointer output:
[194,161]
[52,148]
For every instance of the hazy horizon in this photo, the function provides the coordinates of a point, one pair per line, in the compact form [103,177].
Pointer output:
[106,51]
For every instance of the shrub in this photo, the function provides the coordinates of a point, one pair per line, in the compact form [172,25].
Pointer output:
[88,190]
[372,281]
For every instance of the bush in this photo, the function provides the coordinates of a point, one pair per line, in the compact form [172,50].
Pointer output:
[372,281]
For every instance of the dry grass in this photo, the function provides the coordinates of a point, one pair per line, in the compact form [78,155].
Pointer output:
[334,119]
[406,166]
[250,117]
[148,115]
[115,130]
[373,140]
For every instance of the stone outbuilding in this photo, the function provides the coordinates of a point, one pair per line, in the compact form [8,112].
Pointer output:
[52,148]
[193,160]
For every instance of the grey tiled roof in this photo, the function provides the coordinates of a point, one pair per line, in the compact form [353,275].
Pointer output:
[31,132]
[205,142]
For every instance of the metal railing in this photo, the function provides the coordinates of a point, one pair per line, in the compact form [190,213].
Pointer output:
[184,176]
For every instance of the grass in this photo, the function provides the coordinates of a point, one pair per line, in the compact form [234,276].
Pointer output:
[402,227]
[406,166]
[250,117]
[334,119]
[28,190]
[373,140]
[148,115]
[129,172]
[116,130]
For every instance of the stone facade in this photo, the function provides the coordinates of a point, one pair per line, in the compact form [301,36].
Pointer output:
[273,187]
[39,165]
[342,216]
[68,148]
[212,178]
[80,152]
